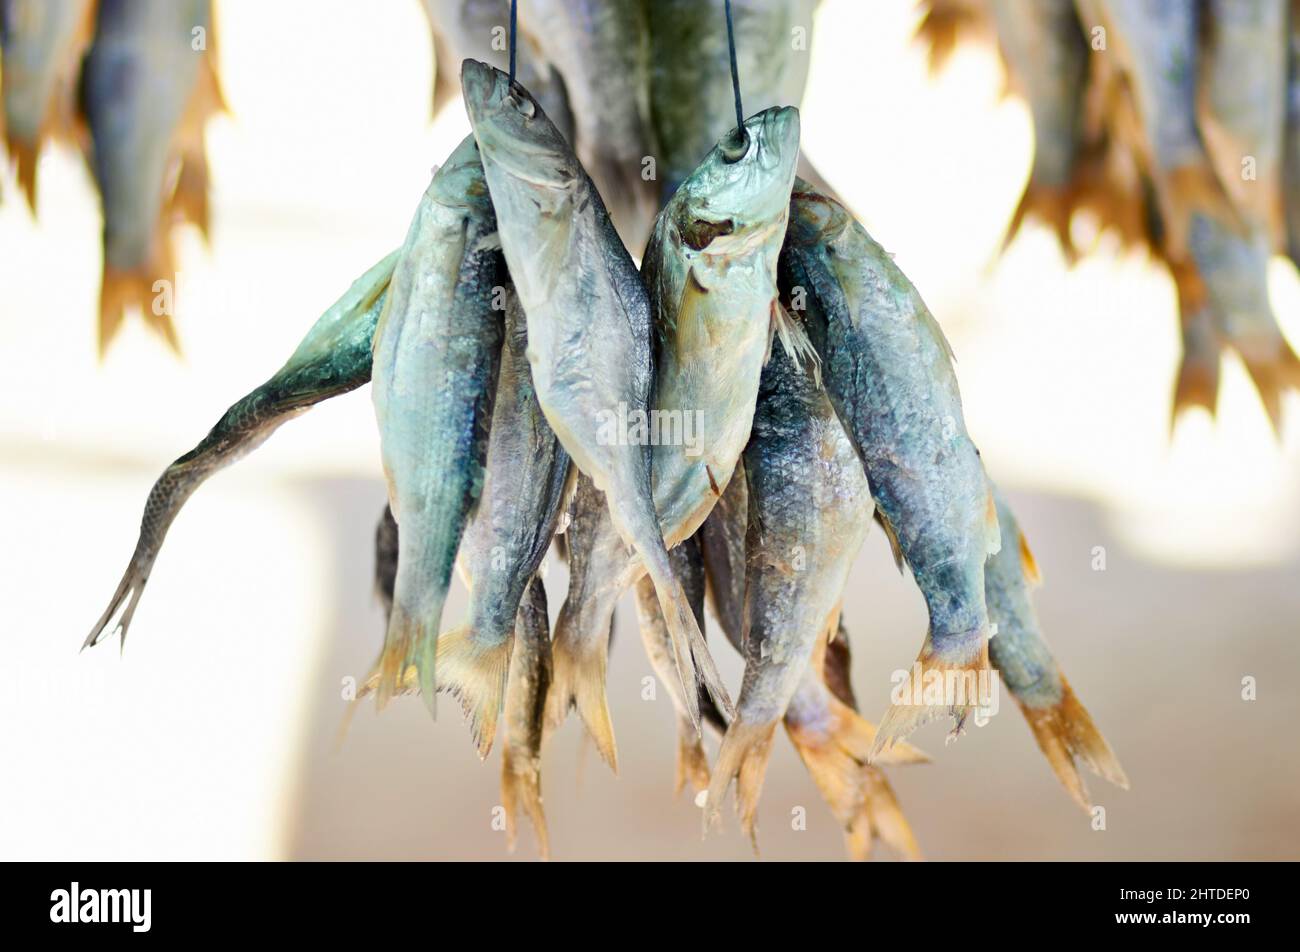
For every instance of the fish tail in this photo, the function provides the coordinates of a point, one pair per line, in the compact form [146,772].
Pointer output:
[1198,373]
[23,156]
[122,290]
[521,786]
[692,762]
[834,750]
[1066,734]
[128,593]
[948,684]
[475,674]
[579,681]
[407,660]
[1274,371]
[946,25]
[695,665]
[1053,206]
[743,756]
[880,817]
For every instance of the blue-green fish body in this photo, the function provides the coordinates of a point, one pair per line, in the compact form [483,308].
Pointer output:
[437,349]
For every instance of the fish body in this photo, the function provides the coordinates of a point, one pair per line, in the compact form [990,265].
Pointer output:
[809,512]
[601,49]
[437,349]
[1242,105]
[526,480]
[711,268]
[333,358]
[41,42]
[1060,723]
[691,99]
[479,29]
[888,372]
[589,330]
[147,89]
[525,704]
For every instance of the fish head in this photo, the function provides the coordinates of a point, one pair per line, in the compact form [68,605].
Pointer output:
[739,195]
[459,182]
[815,218]
[534,168]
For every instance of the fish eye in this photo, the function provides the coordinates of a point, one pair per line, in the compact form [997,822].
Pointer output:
[698,233]
[735,145]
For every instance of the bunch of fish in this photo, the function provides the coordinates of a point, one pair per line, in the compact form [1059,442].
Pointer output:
[722,423]
[132,83]
[1175,125]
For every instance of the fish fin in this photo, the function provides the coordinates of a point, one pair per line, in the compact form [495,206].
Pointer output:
[579,681]
[692,762]
[521,785]
[880,817]
[1065,734]
[1197,386]
[407,660]
[122,290]
[475,675]
[743,756]
[992,529]
[958,691]
[23,156]
[128,593]
[892,536]
[1028,564]
[190,199]
[946,25]
[1053,206]
[794,340]
[1273,375]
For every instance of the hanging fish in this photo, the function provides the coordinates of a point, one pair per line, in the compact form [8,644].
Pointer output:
[333,358]
[589,332]
[888,371]
[691,96]
[437,349]
[1218,261]
[692,762]
[148,86]
[809,512]
[41,42]
[525,704]
[479,29]
[710,268]
[1046,56]
[524,491]
[600,48]
[1061,725]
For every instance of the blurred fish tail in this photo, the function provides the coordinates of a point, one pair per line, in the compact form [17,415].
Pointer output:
[692,762]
